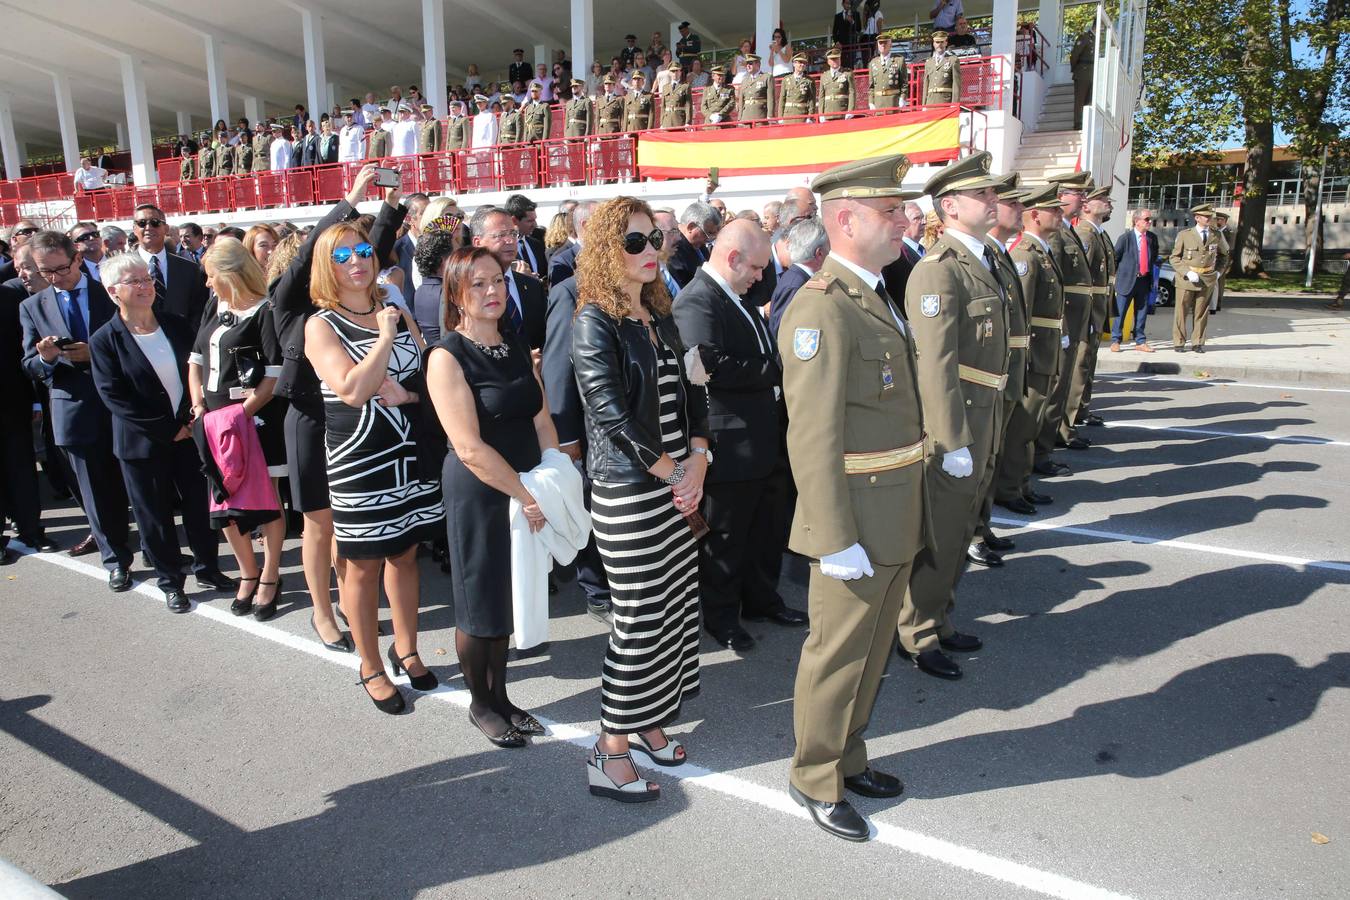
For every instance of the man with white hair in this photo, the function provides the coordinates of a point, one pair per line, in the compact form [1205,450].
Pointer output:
[807,246]
[699,225]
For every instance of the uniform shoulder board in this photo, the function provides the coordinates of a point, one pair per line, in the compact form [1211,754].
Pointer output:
[821,281]
[930,256]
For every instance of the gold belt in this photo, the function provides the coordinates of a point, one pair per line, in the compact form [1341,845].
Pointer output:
[1102,289]
[1207,270]
[1079,289]
[1043,322]
[883,460]
[1019,341]
[981,377]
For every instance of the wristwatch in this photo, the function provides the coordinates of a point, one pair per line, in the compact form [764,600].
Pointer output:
[707,454]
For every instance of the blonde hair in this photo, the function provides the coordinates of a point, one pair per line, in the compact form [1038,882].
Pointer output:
[556,235]
[323,286]
[283,256]
[932,230]
[230,263]
[600,264]
[436,208]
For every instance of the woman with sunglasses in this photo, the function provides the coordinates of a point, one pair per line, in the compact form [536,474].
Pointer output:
[647,444]
[368,356]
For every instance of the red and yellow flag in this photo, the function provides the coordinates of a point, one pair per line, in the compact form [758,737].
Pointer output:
[925,136]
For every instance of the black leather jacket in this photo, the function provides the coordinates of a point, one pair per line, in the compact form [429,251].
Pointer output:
[615,366]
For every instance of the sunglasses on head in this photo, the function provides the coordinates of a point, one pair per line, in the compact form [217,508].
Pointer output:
[148,223]
[635,242]
[343,254]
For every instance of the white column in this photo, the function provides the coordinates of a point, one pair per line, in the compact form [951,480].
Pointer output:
[184,122]
[1003,42]
[122,143]
[138,122]
[253,110]
[316,78]
[65,116]
[583,37]
[1048,21]
[215,80]
[673,40]
[541,56]
[766,20]
[331,92]
[9,145]
[433,52]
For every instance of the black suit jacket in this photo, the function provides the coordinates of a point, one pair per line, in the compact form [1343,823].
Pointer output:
[8,271]
[539,264]
[846,27]
[560,383]
[1127,247]
[761,292]
[534,307]
[309,150]
[79,417]
[16,388]
[895,275]
[186,295]
[745,417]
[563,264]
[143,416]
[684,261]
[788,284]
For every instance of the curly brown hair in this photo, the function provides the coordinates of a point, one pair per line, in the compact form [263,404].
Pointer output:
[600,264]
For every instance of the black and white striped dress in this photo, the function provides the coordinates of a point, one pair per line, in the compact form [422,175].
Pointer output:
[380,506]
[651,562]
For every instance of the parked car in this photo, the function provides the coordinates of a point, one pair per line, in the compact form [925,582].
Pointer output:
[1166,287]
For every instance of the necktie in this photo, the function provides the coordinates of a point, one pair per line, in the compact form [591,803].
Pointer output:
[1143,254]
[158,274]
[671,284]
[1204,235]
[70,308]
[896,311]
[513,311]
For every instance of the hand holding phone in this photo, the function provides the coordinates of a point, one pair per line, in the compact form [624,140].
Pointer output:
[387,178]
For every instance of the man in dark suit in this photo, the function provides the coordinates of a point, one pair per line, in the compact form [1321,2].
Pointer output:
[1137,266]
[308,146]
[896,274]
[18,467]
[57,322]
[519,70]
[180,284]
[406,245]
[563,264]
[761,292]
[807,247]
[18,236]
[529,248]
[494,229]
[747,487]
[845,30]
[699,226]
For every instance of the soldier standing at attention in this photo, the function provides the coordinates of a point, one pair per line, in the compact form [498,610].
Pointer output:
[377,147]
[956,299]
[1221,226]
[262,148]
[458,133]
[1045,304]
[609,108]
[677,103]
[1070,258]
[1101,257]
[887,77]
[224,155]
[1198,255]
[941,74]
[206,157]
[837,91]
[637,106]
[580,113]
[537,114]
[718,99]
[797,92]
[429,131]
[510,125]
[756,99]
[187,165]
[1081,59]
[856,443]
[243,151]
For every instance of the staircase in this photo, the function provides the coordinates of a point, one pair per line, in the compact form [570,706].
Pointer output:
[1054,148]
[1057,108]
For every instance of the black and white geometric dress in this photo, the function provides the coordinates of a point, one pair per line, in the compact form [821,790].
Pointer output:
[380,507]
[651,561]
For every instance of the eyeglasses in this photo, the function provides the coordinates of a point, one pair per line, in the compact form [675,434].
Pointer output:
[25,231]
[148,223]
[86,237]
[144,281]
[635,241]
[343,254]
[513,235]
[60,270]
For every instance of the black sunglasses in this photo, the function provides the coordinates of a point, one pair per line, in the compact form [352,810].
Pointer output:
[148,223]
[86,237]
[25,231]
[635,242]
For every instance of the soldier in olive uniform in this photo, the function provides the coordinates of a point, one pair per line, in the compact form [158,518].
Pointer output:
[377,145]
[187,167]
[206,158]
[837,91]
[1198,255]
[609,109]
[243,151]
[537,115]
[756,97]
[941,74]
[797,92]
[887,77]
[510,125]
[459,131]
[956,299]
[1070,257]
[637,106]
[856,443]
[1081,60]
[580,113]
[224,155]
[262,148]
[677,103]
[429,131]
[1045,304]
[1101,257]
[718,99]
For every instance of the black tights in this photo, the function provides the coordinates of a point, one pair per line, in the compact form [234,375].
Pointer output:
[483,664]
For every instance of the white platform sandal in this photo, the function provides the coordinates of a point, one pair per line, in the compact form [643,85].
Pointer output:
[635,791]
[663,757]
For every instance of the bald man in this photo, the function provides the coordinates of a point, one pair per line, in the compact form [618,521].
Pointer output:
[804,204]
[748,489]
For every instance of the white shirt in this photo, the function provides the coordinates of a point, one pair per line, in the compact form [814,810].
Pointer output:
[946,18]
[89,178]
[975,245]
[163,258]
[351,143]
[281,154]
[760,329]
[159,352]
[1044,245]
[404,138]
[871,279]
[484,130]
[370,109]
[915,246]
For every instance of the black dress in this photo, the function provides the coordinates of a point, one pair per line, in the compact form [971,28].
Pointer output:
[232,346]
[507,397]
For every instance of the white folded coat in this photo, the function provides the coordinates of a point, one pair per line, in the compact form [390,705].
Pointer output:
[556,486]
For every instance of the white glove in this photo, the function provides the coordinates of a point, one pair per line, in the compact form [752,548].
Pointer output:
[1064,342]
[1192,278]
[715,118]
[958,463]
[847,564]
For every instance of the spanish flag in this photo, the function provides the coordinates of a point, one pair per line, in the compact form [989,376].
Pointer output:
[925,136]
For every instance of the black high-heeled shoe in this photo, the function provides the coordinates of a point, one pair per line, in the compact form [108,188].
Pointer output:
[393,705]
[242,606]
[265,611]
[424,682]
[342,645]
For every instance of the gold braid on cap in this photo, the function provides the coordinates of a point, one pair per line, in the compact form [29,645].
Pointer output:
[448,223]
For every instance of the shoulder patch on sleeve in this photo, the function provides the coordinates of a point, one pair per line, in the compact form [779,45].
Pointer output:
[930,304]
[1021,267]
[806,343]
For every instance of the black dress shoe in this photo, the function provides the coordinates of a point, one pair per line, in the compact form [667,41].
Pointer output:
[176,600]
[1077,443]
[785,616]
[1199,349]
[8,557]
[871,783]
[960,643]
[735,638]
[1181,349]
[88,545]
[934,662]
[981,555]
[994,542]
[215,580]
[1017,505]
[1051,469]
[39,542]
[119,580]
[1038,499]
[839,819]
[1091,419]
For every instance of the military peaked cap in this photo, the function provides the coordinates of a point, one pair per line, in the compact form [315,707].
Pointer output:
[969,174]
[865,178]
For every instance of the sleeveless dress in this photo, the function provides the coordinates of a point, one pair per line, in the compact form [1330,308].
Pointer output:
[651,561]
[506,397]
[380,507]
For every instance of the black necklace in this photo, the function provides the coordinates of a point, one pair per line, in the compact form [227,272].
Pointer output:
[357,312]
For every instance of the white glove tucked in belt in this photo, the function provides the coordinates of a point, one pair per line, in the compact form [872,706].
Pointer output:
[847,564]
[958,463]
[1064,342]
[1192,278]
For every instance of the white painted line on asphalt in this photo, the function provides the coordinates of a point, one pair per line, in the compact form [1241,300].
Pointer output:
[1051,525]
[1014,873]
[1222,382]
[1213,432]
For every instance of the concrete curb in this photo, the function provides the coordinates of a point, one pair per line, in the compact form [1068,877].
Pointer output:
[1194,364]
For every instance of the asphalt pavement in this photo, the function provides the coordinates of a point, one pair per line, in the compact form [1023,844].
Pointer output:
[1160,710]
